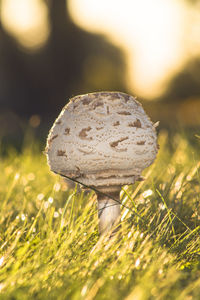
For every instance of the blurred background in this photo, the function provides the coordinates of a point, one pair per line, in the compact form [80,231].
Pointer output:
[52,50]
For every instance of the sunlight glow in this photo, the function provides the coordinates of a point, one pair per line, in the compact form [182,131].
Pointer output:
[26,20]
[157,37]
[193,31]
[149,31]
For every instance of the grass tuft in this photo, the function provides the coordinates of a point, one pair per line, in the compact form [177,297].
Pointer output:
[49,242]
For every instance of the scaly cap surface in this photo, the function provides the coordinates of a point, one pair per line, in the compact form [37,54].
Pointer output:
[101,139]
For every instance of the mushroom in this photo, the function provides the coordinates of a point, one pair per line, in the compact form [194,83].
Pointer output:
[102,140]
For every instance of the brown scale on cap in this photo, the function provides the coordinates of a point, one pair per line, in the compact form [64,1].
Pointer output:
[67,131]
[53,137]
[58,122]
[114,96]
[125,113]
[97,104]
[136,124]
[50,141]
[116,143]
[141,143]
[126,97]
[61,153]
[86,101]
[83,133]
[99,128]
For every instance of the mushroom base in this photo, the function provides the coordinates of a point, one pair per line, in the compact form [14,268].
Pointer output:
[109,209]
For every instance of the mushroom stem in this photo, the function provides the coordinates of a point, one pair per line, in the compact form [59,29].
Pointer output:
[109,210]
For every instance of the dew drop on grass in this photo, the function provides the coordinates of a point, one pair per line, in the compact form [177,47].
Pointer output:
[121,193]
[57,187]
[136,234]
[147,193]
[96,263]
[46,204]
[160,271]
[40,196]
[166,260]
[137,263]
[141,200]
[17,175]
[161,206]
[125,188]
[50,199]
[124,214]
[125,199]
[1,260]
[129,234]
[189,177]
[84,290]
[131,244]
[23,217]
[141,235]
[2,285]
[56,214]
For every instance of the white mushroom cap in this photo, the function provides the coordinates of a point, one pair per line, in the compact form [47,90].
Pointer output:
[102,139]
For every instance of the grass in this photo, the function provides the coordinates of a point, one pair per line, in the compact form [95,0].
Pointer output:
[49,243]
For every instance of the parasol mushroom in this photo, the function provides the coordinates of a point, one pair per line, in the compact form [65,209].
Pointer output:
[103,140]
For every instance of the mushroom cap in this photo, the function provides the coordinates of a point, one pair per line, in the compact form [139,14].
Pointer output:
[102,139]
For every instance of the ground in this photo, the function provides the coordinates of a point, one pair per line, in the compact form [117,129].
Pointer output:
[49,242]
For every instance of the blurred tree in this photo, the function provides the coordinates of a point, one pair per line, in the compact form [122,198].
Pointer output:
[72,61]
[185,84]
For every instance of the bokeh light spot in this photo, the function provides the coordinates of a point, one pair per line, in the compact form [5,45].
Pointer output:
[34,121]
[27,21]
